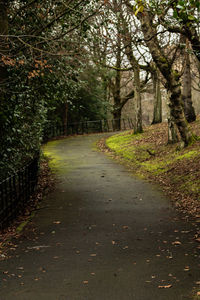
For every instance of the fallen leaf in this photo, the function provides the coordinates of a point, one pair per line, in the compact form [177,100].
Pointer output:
[125,227]
[126,247]
[176,243]
[165,286]
[56,222]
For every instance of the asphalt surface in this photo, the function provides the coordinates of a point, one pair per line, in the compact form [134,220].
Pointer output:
[101,235]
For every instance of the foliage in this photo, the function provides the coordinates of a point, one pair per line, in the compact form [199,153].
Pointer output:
[90,103]
[42,61]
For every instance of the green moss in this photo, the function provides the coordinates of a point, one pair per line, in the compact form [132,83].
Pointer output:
[190,184]
[122,139]
[55,157]
[188,155]
[156,167]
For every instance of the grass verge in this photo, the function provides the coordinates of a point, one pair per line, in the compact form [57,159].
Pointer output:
[150,157]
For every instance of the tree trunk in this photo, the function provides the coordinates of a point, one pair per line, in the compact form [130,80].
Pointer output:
[187,90]
[127,39]
[138,101]
[172,132]
[172,77]
[157,112]
[117,120]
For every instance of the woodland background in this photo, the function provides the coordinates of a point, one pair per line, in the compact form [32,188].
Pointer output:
[63,61]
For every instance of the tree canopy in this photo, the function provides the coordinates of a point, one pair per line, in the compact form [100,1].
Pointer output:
[63,61]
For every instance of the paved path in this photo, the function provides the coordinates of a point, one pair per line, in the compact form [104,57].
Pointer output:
[101,235]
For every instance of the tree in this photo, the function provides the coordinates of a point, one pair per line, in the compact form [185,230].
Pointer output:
[157,112]
[187,86]
[183,20]
[39,66]
[106,50]
[164,64]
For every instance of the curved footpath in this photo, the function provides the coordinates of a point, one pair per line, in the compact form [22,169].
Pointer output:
[101,235]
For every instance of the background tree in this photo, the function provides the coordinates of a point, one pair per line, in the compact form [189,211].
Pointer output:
[165,65]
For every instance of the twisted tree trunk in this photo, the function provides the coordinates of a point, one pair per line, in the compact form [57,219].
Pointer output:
[172,76]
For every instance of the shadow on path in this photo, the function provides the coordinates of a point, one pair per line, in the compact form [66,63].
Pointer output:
[100,235]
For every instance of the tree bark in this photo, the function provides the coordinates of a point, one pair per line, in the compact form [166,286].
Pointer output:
[136,70]
[172,132]
[117,120]
[138,101]
[157,112]
[172,77]
[187,89]
[117,89]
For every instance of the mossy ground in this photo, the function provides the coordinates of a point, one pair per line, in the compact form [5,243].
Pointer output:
[150,157]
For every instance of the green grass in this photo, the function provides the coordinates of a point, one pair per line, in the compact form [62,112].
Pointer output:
[150,158]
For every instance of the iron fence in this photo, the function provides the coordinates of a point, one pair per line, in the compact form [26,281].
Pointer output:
[86,127]
[15,191]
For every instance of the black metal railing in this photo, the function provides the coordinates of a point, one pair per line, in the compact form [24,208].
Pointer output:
[86,127]
[15,191]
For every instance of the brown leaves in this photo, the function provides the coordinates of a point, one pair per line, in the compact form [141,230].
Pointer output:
[125,227]
[177,243]
[56,222]
[165,286]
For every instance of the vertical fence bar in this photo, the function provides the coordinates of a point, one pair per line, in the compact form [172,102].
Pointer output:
[15,191]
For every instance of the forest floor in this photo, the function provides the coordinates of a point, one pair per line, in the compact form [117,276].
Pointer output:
[150,157]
